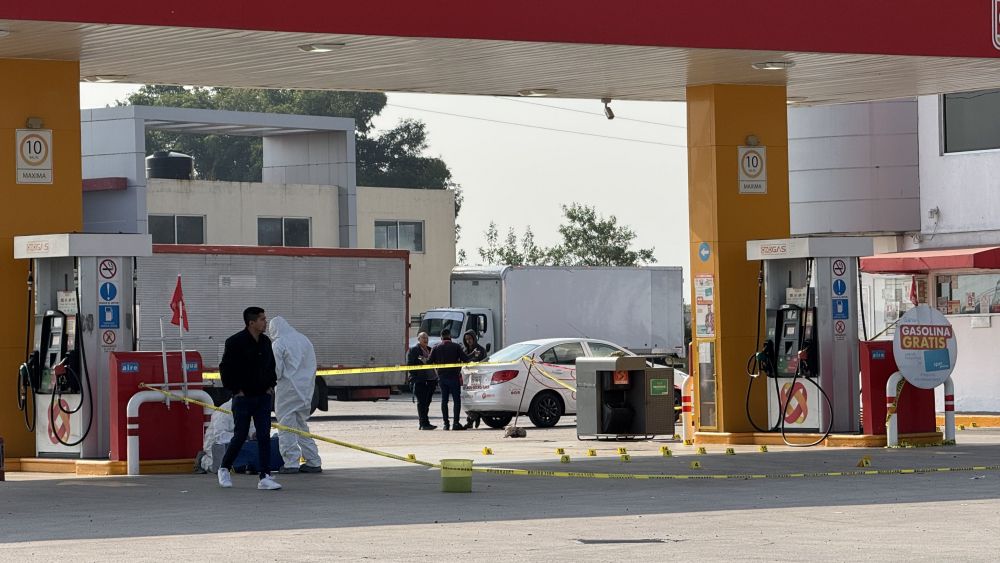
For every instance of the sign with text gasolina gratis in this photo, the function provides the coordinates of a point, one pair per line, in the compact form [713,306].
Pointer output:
[925,347]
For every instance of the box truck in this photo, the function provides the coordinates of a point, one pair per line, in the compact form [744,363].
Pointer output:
[639,308]
[351,303]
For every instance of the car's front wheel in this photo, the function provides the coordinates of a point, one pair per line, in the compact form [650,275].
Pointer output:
[497,421]
[546,409]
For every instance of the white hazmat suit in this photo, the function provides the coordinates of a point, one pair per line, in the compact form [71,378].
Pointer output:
[295,364]
[220,431]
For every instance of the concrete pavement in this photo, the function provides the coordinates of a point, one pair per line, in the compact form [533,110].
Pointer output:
[369,508]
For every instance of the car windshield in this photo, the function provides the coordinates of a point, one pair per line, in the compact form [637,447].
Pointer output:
[513,352]
[434,325]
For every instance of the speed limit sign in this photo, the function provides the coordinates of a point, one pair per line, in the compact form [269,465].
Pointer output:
[34,156]
[753,170]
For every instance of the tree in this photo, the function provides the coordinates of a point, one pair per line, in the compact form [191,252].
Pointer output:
[393,158]
[512,252]
[588,239]
[591,240]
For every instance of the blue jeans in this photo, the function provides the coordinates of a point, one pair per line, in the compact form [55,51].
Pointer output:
[259,409]
[451,388]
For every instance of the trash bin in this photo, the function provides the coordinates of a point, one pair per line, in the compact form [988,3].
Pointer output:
[623,397]
[456,475]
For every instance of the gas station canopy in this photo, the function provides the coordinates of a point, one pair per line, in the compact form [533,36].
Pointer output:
[825,53]
[735,63]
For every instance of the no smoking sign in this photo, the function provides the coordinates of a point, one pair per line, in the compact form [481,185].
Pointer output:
[108,269]
[839,267]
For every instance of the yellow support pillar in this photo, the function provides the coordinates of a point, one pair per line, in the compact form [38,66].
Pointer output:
[724,215]
[49,90]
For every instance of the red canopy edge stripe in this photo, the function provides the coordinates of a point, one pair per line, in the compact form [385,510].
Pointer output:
[916,261]
[892,27]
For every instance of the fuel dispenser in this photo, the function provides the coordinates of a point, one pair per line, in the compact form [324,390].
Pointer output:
[81,292]
[809,353]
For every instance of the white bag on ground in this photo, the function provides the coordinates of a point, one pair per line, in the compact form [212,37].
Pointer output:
[220,431]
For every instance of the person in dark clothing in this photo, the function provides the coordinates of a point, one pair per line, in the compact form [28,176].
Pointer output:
[248,371]
[449,379]
[476,353]
[424,380]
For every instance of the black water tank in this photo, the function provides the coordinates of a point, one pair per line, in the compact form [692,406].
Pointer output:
[171,165]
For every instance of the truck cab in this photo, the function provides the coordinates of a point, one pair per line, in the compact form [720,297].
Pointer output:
[458,321]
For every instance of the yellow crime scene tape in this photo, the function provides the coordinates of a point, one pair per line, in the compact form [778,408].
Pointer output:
[353,371]
[593,475]
[535,364]
[296,430]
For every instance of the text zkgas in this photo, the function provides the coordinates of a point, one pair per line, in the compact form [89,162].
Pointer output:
[924,337]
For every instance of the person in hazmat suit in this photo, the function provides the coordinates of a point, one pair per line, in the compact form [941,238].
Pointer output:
[219,431]
[295,365]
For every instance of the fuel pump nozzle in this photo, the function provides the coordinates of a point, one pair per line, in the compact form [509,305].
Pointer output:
[803,357]
[765,360]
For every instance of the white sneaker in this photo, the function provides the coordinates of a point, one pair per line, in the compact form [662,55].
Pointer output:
[268,484]
[225,479]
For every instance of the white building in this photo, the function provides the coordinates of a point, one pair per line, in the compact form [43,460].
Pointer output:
[308,196]
[892,169]
[244,213]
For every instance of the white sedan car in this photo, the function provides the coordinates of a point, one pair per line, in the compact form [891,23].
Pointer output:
[498,392]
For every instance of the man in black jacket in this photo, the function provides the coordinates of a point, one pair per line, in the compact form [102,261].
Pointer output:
[449,379]
[247,370]
[424,380]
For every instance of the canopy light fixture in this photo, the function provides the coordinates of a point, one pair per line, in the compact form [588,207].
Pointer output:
[320,47]
[104,78]
[537,92]
[4,33]
[773,65]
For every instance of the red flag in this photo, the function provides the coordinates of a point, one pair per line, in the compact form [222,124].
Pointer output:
[913,290]
[178,307]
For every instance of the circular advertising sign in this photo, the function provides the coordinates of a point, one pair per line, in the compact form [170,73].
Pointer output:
[925,347]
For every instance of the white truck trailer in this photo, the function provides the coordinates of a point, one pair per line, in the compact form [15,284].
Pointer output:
[351,303]
[640,308]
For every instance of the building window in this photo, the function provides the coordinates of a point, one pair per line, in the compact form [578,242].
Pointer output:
[404,235]
[177,229]
[968,293]
[283,231]
[970,120]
